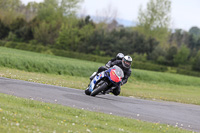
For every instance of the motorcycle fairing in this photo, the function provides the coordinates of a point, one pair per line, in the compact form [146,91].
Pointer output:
[114,76]
[95,79]
[111,77]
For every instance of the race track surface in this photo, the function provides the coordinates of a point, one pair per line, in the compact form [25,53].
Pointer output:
[176,114]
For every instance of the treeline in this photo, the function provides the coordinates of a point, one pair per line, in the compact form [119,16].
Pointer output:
[54,24]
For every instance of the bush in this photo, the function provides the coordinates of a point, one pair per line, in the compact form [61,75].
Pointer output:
[187,72]
[136,64]
[196,64]
[47,50]
[12,37]
[157,52]
[149,66]
[161,60]
[24,46]
[182,56]
[2,43]
[10,44]
[139,57]
[81,56]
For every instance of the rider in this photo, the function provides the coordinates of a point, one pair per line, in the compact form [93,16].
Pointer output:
[125,65]
[119,56]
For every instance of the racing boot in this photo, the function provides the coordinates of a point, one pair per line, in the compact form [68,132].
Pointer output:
[109,90]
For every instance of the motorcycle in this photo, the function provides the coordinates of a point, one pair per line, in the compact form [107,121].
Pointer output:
[105,81]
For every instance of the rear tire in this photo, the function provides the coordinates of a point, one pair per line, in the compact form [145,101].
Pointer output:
[99,89]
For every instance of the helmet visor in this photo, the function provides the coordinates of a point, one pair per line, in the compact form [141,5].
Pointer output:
[126,63]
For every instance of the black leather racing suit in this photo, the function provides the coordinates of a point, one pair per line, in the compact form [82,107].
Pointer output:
[108,64]
[112,60]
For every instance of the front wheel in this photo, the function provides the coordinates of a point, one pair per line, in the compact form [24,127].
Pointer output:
[99,89]
[87,91]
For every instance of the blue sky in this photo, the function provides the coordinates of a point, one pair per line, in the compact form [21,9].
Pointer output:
[185,13]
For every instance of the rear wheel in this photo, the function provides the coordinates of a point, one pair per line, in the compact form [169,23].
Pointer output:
[98,89]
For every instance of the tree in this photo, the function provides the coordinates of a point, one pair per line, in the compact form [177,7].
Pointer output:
[16,28]
[181,37]
[17,24]
[195,31]
[95,42]
[198,44]
[9,10]
[52,14]
[71,37]
[122,40]
[31,10]
[25,33]
[172,51]
[155,20]
[46,33]
[57,9]
[69,7]
[182,56]
[68,38]
[48,11]
[4,30]
[196,64]
[85,21]
[158,53]
[10,5]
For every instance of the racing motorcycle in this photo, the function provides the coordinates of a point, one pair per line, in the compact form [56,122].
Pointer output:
[105,82]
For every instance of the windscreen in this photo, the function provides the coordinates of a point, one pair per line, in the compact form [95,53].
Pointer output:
[118,71]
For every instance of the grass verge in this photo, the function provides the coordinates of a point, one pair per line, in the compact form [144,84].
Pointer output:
[24,115]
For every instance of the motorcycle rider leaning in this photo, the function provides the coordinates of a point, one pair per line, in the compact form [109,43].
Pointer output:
[119,56]
[124,64]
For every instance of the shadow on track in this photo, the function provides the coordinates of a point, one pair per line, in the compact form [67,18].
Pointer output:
[106,98]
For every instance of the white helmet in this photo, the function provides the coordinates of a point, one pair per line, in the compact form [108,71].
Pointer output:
[119,56]
[126,61]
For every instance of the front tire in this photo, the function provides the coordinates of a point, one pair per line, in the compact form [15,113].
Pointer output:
[87,91]
[99,89]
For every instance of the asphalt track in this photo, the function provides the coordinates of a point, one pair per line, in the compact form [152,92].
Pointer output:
[176,114]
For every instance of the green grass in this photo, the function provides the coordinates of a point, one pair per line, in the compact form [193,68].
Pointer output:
[164,86]
[35,62]
[169,78]
[23,115]
[74,73]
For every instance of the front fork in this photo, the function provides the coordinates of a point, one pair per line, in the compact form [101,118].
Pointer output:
[98,77]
